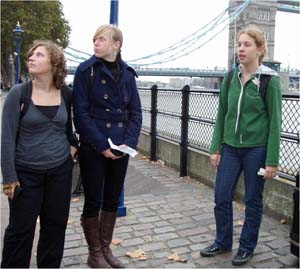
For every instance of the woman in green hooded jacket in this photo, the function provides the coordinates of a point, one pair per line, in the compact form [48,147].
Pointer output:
[246,138]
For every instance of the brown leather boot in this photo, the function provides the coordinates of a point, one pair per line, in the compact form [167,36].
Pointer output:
[90,228]
[107,225]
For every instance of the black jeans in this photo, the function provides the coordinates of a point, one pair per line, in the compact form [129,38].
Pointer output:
[45,194]
[102,180]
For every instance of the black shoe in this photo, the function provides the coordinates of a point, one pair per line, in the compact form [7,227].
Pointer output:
[211,251]
[242,257]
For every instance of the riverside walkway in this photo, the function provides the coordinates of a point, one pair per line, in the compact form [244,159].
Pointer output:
[167,214]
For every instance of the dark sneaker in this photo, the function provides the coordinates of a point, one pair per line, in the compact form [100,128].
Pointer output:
[211,251]
[242,257]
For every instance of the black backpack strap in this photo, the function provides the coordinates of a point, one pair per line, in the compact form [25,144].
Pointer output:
[25,98]
[263,87]
[67,96]
[229,79]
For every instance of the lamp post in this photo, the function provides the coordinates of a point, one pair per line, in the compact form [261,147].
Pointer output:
[11,70]
[18,39]
[114,10]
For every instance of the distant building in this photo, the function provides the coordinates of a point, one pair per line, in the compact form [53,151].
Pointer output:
[261,13]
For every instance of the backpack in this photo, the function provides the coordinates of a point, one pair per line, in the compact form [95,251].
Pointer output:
[263,87]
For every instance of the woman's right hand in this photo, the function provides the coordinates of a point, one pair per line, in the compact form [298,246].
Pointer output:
[108,154]
[9,189]
[215,160]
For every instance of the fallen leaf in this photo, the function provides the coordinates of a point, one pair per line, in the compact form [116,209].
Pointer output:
[70,221]
[283,221]
[240,223]
[176,258]
[75,200]
[186,178]
[140,254]
[116,241]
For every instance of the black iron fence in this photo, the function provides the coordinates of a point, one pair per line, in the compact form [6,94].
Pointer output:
[187,117]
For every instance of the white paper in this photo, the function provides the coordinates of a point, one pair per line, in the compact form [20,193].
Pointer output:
[261,172]
[128,150]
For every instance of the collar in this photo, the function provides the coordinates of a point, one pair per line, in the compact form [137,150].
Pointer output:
[261,70]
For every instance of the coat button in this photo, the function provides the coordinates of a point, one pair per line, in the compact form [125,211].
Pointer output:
[105,96]
[103,81]
[119,110]
[108,125]
[107,109]
[120,124]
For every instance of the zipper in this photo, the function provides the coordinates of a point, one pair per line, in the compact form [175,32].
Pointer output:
[239,105]
[241,139]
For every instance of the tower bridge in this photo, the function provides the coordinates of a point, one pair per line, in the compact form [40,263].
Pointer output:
[240,12]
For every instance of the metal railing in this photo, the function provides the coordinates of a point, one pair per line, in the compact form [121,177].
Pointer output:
[187,117]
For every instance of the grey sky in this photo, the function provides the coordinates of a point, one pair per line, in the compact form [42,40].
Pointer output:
[151,25]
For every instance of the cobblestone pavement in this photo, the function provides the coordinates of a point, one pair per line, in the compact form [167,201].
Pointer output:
[167,214]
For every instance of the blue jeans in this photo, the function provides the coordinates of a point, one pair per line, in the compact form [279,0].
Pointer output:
[233,161]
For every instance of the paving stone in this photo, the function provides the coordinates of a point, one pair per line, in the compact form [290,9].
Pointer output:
[132,242]
[184,226]
[153,246]
[202,238]
[283,251]
[289,261]
[164,229]
[277,243]
[179,265]
[143,226]
[73,260]
[73,244]
[150,219]
[258,258]
[198,230]
[270,264]
[164,236]
[177,243]
[161,223]
[177,220]
[181,250]
[143,233]
[122,229]
[75,251]
[70,237]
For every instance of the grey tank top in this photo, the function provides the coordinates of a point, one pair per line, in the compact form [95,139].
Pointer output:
[42,141]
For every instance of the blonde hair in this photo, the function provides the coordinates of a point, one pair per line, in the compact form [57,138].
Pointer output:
[115,33]
[259,39]
[57,60]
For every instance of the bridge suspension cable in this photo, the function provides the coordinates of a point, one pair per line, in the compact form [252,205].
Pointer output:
[179,49]
[188,47]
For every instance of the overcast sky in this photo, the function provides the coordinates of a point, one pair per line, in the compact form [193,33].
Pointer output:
[151,25]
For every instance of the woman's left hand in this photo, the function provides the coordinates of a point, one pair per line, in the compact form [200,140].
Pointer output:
[73,151]
[270,172]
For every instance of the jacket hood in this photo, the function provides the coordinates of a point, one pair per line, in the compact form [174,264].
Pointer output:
[262,70]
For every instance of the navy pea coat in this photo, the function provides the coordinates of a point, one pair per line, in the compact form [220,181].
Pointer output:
[107,109]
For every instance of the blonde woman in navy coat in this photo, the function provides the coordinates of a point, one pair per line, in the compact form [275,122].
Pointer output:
[106,105]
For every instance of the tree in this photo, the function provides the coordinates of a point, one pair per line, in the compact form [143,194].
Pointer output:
[39,20]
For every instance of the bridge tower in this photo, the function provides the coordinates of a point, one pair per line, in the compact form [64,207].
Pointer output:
[261,13]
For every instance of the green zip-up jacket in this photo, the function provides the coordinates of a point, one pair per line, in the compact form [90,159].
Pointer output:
[244,119]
